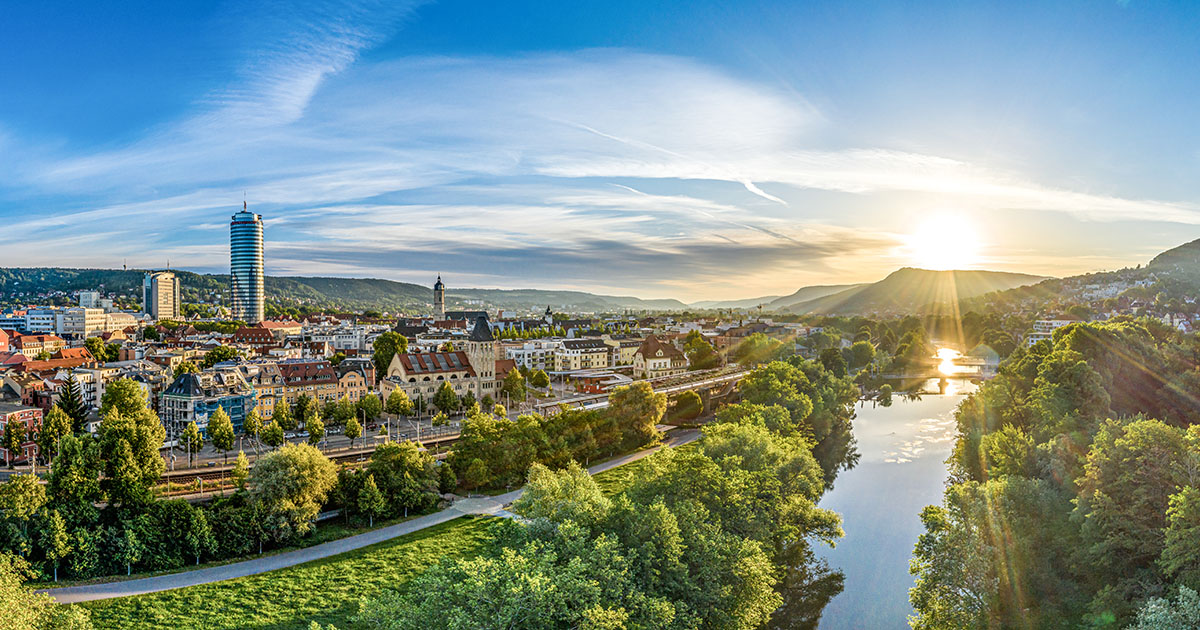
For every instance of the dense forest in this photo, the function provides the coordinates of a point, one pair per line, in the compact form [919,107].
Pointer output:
[1075,488]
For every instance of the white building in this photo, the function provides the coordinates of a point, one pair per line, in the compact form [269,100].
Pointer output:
[83,322]
[537,354]
[1044,329]
[44,320]
[89,299]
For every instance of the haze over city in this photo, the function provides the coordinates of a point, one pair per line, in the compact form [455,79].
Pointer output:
[735,151]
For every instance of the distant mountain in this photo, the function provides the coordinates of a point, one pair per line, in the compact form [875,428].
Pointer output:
[25,284]
[743,303]
[809,293]
[910,290]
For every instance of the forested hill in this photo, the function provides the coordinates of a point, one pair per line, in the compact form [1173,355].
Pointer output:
[1185,257]
[909,290]
[24,284]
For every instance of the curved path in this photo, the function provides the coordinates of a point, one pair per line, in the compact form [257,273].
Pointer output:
[482,505]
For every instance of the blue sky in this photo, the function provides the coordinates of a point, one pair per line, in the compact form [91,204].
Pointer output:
[696,150]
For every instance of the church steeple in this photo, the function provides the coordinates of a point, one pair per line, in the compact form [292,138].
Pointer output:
[439,299]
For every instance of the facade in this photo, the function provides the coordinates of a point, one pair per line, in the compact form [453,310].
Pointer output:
[160,295]
[314,378]
[353,381]
[33,345]
[43,320]
[83,322]
[655,358]
[246,266]
[193,397]
[1044,329]
[267,381]
[89,299]
[537,354]
[581,354]
[473,369]
[623,348]
[31,417]
[439,299]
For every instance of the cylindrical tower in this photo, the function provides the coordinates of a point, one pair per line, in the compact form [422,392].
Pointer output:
[246,266]
[439,299]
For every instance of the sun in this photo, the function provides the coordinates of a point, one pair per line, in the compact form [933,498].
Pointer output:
[944,242]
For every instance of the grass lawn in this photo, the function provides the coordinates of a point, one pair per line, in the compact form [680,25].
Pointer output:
[326,590]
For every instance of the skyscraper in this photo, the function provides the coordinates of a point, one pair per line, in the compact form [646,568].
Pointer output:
[160,295]
[246,265]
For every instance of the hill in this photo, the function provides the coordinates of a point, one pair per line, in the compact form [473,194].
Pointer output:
[30,284]
[909,290]
[743,303]
[809,293]
[1186,257]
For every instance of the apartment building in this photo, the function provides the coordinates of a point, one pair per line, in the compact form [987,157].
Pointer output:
[581,354]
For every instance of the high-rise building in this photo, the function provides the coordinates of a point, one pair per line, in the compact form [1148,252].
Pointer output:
[160,295]
[439,299]
[89,299]
[246,265]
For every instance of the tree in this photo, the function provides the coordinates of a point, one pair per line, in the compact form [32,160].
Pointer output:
[70,400]
[499,411]
[370,500]
[316,430]
[445,399]
[131,439]
[832,360]
[150,333]
[241,471]
[386,346]
[272,434]
[399,404]
[129,547]
[304,407]
[688,406]
[406,476]
[447,481]
[252,426]
[513,385]
[24,609]
[54,541]
[353,430]
[757,348]
[291,484]
[191,440]
[1161,614]
[55,426]
[220,431]
[439,420]
[95,347]
[21,497]
[861,353]
[343,411]
[74,482]
[218,355]
[700,353]
[539,379]
[636,409]
[196,534]
[185,367]
[370,406]
[14,439]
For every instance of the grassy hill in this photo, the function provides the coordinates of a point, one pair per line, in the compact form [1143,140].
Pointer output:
[909,290]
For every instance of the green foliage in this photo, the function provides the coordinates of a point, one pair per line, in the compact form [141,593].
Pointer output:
[860,354]
[757,348]
[407,477]
[218,355]
[185,367]
[370,406]
[220,430]
[700,353]
[282,415]
[272,434]
[399,404]
[130,438]
[23,609]
[316,430]
[70,400]
[370,499]
[1161,614]
[386,346]
[513,385]
[445,399]
[636,409]
[687,407]
[353,430]
[13,438]
[539,379]
[290,485]
[832,360]
[241,471]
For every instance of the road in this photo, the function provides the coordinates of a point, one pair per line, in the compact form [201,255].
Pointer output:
[482,505]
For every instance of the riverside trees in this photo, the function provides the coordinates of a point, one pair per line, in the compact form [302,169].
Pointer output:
[1074,487]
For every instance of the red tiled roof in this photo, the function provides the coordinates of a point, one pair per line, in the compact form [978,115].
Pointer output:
[435,362]
[651,347]
[307,371]
[73,353]
[504,366]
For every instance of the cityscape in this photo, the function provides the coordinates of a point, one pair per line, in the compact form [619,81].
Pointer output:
[767,315]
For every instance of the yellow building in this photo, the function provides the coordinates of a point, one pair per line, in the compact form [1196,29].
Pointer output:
[582,354]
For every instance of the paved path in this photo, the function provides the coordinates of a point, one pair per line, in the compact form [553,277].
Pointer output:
[494,506]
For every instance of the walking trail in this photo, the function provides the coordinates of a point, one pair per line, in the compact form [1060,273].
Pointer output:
[494,506]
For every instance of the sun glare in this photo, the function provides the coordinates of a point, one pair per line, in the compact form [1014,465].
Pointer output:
[944,242]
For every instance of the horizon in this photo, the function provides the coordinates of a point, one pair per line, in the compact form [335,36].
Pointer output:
[728,155]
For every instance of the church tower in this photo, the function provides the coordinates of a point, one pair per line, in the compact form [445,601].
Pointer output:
[483,349]
[439,299]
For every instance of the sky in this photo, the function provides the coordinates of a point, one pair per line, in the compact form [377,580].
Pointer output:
[696,150]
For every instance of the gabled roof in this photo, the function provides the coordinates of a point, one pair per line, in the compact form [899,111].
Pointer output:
[482,330]
[652,347]
[435,362]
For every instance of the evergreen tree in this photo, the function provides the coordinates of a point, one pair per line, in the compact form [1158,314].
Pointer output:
[70,400]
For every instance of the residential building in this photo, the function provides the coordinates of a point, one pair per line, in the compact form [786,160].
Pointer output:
[581,354]
[655,358]
[193,397]
[623,348]
[33,345]
[1044,329]
[537,354]
[354,382]
[314,378]
[246,266]
[31,417]
[81,322]
[268,384]
[43,320]
[160,295]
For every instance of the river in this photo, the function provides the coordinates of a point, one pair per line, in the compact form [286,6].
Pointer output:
[902,469]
